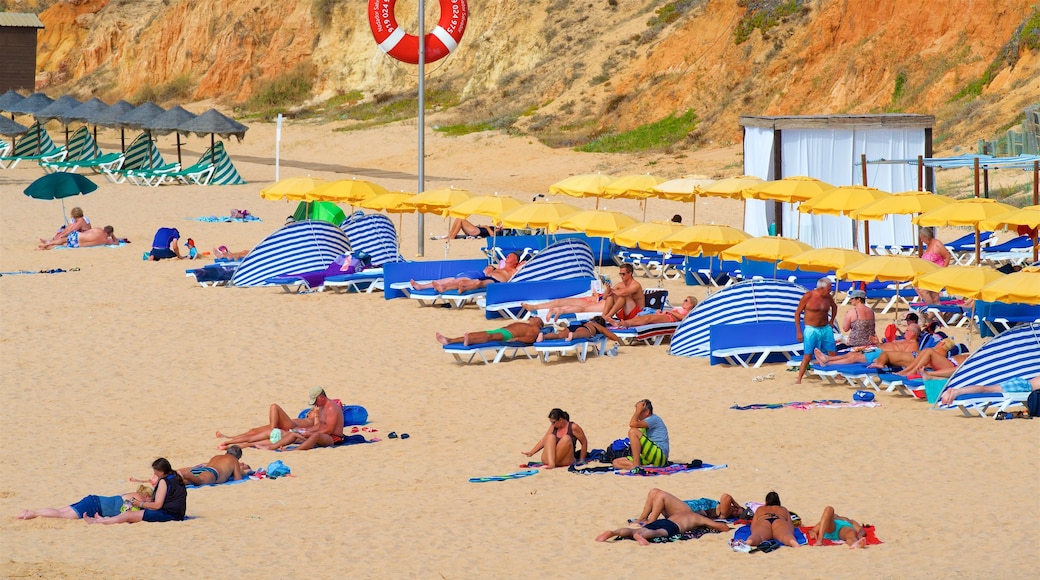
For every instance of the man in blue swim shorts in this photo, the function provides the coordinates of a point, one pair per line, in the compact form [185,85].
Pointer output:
[218,469]
[820,311]
[469,280]
[1012,385]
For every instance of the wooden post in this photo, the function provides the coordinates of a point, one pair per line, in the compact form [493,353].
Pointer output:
[920,173]
[985,183]
[863,167]
[866,223]
[1036,200]
[976,172]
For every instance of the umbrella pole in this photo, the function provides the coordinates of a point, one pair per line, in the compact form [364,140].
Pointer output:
[978,244]
[693,216]
[178,148]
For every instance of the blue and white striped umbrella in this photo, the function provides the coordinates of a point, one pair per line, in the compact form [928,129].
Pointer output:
[373,234]
[566,259]
[297,247]
[1012,353]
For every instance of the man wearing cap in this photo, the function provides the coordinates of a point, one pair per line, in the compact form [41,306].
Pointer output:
[913,327]
[218,469]
[820,313]
[326,432]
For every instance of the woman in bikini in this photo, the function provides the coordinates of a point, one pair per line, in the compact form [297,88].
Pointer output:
[937,358]
[559,444]
[772,522]
[597,325]
[838,529]
[935,252]
[673,315]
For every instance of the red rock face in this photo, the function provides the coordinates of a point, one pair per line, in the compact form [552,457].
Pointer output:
[839,57]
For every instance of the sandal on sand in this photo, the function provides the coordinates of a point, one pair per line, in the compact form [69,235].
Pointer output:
[758,379]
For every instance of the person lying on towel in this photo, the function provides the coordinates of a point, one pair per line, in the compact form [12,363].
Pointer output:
[474,279]
[679,518]
[838,529]
[218,469]
[526,332]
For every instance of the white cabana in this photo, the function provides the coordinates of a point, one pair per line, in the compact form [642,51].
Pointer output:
[829,148]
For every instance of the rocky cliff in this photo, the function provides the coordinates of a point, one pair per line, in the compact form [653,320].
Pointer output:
[565,67]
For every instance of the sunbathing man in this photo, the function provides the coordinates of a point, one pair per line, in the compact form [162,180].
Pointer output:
[661,503]
[590,328]
[679,518]
[84,239]
[526,332]
[866,355]
[218,469]
[474,279]
[673,315]
[277,419]
[1012,385]
[575,305]
[938,358]
[77,224]
[820,312]
[625,299]
[327,432]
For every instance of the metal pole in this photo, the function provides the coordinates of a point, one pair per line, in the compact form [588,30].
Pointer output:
[422,121]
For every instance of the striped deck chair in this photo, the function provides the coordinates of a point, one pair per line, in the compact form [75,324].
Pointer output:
[82,151]
[375,235]
[569,259]
[5,148]
[136,157]
[304,246]
[1013,353]
[224,172]
[752,301]
[35,145]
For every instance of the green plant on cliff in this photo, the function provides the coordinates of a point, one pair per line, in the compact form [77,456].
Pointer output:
[176,89]
[657,135]
[897,91]
[1027,36]
[275,95]
[763,15]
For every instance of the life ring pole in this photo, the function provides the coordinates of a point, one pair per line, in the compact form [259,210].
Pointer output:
[421,247]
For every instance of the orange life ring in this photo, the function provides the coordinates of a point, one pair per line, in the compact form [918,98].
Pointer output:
[405,47]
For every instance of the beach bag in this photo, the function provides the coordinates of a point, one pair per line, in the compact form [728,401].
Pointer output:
[619,448]
[891,333]
[354,415]
[1033,404]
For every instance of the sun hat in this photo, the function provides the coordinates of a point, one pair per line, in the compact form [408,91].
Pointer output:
[857,294]
[314,394]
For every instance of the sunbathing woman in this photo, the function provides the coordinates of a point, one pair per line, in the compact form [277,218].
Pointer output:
[91,505]
[277,418]
[937,358]
[772,522]
[559,445]
[673,315]
[597,325]
[167,503]
[91,237]
[838,529]
[77,224]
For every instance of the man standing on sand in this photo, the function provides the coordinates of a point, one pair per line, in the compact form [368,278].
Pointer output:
[525,332]
[327,432]
[820,312]
[625,300]
[648,437]
[218,469]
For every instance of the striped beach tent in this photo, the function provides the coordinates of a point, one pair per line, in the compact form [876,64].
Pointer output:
[566,259]
[137,154]
[224,172]
[1012,353]
[82,146]
[373,234]
[752,301]
[36,144]
[297,247]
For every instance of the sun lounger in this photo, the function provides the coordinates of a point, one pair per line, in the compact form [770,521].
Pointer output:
[994,318]
[980,404]
[578,347]
[215,274]
[366,281]
[487,352]
[741,343]
[894,383]
[452,298]
[99,164]
[962,250]
[396,276]
[857,375]
[34,145]
[649,334]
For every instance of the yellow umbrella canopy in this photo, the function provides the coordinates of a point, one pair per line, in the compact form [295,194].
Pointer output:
[539,214]
[1020,287]
[585,185]
[595,222]
[823,259]
[632,186]
[706,239]
[789,189]
[291,188]
[766,248]
[349,191]
[842,200]
[436,200]
[393,202]
[645,235]
[903,203]
[731,187]
[958,280]
[682,189]
[887,269]
[964,212]
[1028,216]
[491,206]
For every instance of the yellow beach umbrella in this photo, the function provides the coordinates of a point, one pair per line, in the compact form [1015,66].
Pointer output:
[842,200]
[595,222]
[539,214]
[638,186]
[766,248]
[789,189]
[351,191]
[682,189]
[964,281]
[731,187]
[965,212]
[585,185]
[706,239]
[437,200]
[887,269]
[645,235]
[823,259]
[393,202]
[491,206]
[1020,287]
[291,188]
[1027,216]
[903,203]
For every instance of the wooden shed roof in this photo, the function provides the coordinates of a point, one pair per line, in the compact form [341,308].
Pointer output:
[886,120]
[20,20]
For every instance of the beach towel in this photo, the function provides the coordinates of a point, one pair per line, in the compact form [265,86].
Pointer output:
[647,471]
[816,404]
[872,539]
[225,218]
[741,534]
[53,271]
[693,534]
[228,482]
[504,477]
[121,243]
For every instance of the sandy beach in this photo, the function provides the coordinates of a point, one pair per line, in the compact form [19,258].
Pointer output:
[108,367]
